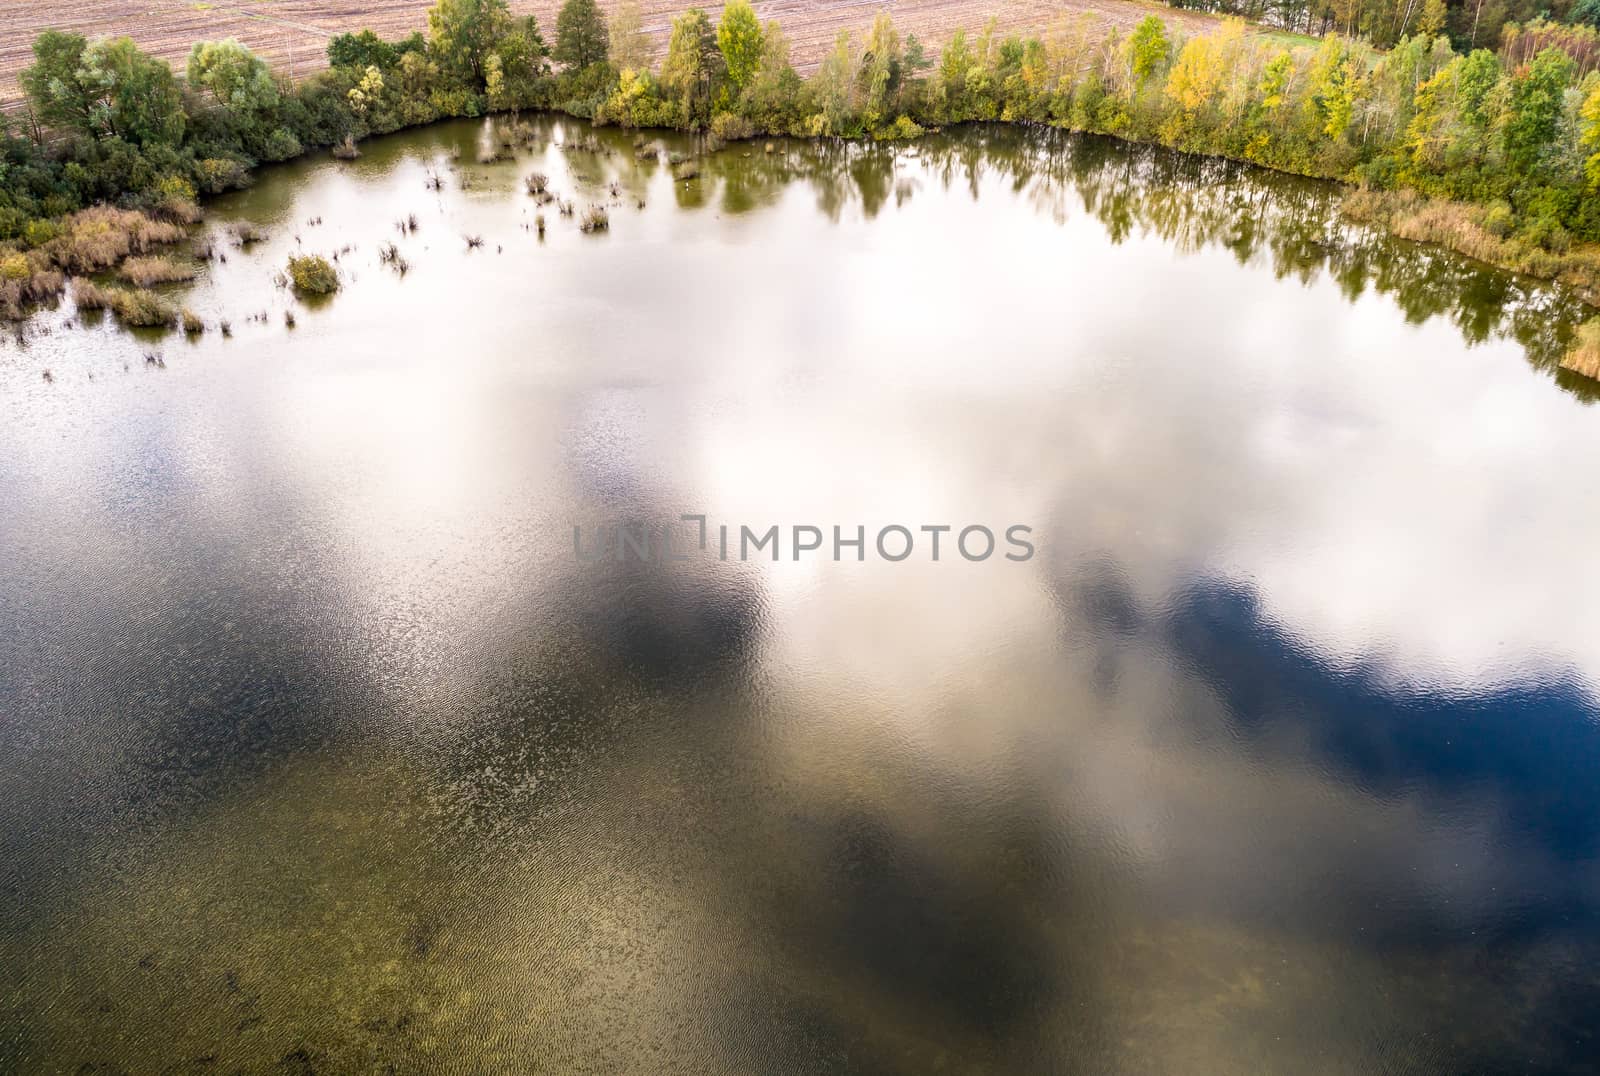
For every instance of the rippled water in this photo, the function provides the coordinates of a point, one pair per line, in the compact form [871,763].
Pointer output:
[320,750]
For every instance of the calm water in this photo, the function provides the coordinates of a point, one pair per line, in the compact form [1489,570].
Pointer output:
[321,751]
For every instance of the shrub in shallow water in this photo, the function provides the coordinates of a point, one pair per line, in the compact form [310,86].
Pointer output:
[90,296]
[147,271]
[26,280]
[312,274]
[594,220]
[142,309]
[192,324]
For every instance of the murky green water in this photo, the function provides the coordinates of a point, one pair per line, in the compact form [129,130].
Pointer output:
[320,750]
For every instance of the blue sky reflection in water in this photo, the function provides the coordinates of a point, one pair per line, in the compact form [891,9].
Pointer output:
[322,751]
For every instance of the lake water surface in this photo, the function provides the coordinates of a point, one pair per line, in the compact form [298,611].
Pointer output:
[322,751]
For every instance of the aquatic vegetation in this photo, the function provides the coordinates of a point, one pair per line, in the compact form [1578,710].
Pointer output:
[312,274]
[594,219]
[26,279]
[1584,358]
[245,234]
[192,323]
[95,239]
[87,295]
[141,308]
[389,254]
[537,183]
[346,150]
[144,272]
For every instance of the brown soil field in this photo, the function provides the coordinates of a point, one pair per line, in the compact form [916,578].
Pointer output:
[292,34]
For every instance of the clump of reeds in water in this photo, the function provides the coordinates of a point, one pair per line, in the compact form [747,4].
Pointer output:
[192,323]
[686,171]
[26,280]
[406,225]
[537,183]
[473,241]
[434,182]
[141,308]
[538,223]
[143,272]
[87,295]
[99,237]
[389,254]
[1584,358]
[245,234]
[594,219]
[346,150]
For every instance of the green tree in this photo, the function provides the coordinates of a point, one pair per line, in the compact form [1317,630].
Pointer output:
[740,41]
[833,82]
[882,69]
[236,78]
[361,50]
[1148,49]
[581,35]
[1535,111]
[1590,114]
[693,66]
[54,85]
[136,97]
[462,34]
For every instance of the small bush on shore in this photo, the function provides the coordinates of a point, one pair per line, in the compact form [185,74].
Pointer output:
[728,127]
[312,274]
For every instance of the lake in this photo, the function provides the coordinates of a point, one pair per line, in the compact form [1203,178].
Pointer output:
[341,730]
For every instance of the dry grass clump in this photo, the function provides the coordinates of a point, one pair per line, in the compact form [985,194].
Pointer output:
[25,280]
[536,182]
[181,210]
[90,296]
[245,233]
[594,219]
[193,325]
[144,272]
[142,309]
[99,237]
[1584,358]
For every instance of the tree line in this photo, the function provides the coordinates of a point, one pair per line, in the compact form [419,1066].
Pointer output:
[1515,130]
